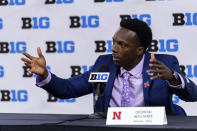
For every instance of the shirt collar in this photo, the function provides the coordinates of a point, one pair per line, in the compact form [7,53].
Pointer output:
[136,71]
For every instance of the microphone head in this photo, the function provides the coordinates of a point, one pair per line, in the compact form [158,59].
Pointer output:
[103,68]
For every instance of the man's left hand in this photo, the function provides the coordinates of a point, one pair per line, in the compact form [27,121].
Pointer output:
[160,69]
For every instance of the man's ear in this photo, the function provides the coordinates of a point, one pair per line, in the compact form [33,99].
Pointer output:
[140,51]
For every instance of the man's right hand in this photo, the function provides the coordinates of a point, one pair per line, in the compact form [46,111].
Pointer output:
[37,65]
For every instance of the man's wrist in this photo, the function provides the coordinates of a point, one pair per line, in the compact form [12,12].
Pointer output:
[171,76]
[45,75]
[175,79]
[44,82]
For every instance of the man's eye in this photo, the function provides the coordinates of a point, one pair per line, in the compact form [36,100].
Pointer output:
[121,44]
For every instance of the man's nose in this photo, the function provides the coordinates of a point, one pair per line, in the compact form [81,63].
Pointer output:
[114,48]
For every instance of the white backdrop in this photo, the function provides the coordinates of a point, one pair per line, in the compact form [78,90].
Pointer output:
[28,24]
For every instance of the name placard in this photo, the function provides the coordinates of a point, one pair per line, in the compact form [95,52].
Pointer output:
[136,116]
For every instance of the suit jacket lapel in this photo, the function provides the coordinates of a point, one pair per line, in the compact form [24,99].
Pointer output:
[110,84]
[146,78]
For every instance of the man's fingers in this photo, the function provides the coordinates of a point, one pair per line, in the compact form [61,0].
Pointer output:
[27,55]
[154,77]
[28,65]
[26,60]
[152,56]
[39,52]
[154,60]
[156,66]
[154,71]
[30,72]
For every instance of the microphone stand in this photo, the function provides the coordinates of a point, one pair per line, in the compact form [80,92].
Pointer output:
[100,92]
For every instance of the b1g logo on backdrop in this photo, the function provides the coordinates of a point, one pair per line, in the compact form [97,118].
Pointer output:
[60,47]
[143,17]
[59,1]
[91,21]
[12,2]
[189,71]
[1,71]
[77,69]
[51,98]
[187,19]
[13,47]
[26,73]
[13,95]
[169,45]
[108,1]
[103,46]
[35,22]
[1,23]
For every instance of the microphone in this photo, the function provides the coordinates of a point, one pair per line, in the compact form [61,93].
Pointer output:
[99,80]
[99,87]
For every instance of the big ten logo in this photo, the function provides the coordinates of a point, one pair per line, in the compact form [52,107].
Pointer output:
[14,95]
[60,47]
[1,23]
[143,17]
[59,1]
[187,19]
[35,23]
[175,99]
[103,46]
[1,71]
[169,45]
[77,70]
[84,21]
[13,47]
[98,77]
[12,2]
[189,71]
[109,1]
[51,98]
[27,74]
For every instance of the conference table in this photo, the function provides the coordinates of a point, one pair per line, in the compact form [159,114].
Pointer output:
[69,122]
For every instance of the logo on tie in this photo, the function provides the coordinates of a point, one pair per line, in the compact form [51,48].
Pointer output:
[146,84]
